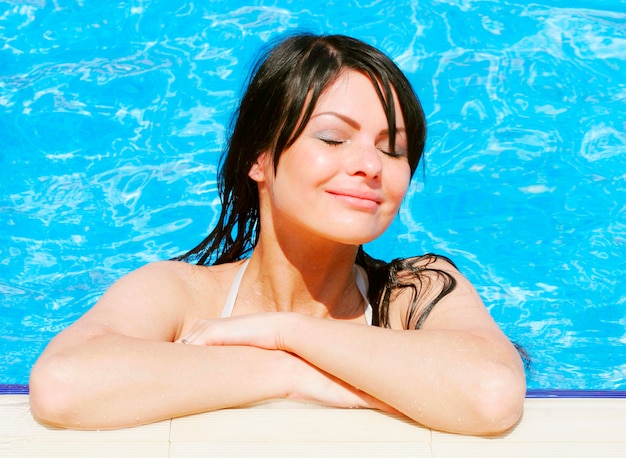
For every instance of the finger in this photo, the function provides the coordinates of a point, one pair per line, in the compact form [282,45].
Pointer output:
[186,340]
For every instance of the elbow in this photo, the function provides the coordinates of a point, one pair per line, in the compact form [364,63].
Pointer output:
[52,397]
[499,401]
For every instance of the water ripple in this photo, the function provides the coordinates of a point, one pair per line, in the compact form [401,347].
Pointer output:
[114,116]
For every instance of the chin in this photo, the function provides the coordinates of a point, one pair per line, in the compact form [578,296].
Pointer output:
[351,237]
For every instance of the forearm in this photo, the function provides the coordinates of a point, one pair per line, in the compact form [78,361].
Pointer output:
[444,379]
[116,381]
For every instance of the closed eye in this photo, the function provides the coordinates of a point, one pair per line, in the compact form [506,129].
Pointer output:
[331,137]
[332,142]
[395,153]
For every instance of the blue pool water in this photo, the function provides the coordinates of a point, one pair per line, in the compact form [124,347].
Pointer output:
[112,118]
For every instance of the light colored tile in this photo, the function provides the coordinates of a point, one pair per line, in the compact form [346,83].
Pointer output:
[284,421]
[27,448]
[510,449]
[17,423]
[551,428]
[572,420]
[300,449]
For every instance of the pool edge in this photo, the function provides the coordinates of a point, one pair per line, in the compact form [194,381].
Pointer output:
[13,389]
[608,394]
[532,393]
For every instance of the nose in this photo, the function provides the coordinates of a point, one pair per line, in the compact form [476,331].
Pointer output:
[365,161]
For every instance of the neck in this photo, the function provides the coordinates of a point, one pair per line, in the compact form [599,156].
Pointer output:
[312,277]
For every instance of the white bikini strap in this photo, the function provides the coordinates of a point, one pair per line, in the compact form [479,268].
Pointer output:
[229,305]
[362,285]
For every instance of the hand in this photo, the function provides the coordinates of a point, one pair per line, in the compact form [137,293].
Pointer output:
[306,382]
[310,383]
[261,330]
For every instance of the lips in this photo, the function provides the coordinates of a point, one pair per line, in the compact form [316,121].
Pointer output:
[363,199]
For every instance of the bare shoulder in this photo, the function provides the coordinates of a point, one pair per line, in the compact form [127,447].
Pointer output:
[435,294]
[172,292]
[431,261]
[154,302]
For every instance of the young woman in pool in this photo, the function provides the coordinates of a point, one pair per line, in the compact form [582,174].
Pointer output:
[280,300]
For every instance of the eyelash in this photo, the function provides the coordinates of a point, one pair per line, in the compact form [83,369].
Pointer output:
[395,154]
[332,142]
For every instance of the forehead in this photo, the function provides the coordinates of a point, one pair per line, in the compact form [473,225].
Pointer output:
[355,92]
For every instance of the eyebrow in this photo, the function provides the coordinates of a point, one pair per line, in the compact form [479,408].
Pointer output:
[351,122]
[348,120]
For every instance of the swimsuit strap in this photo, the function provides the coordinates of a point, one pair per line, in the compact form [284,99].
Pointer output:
[234,291]
[362,285]
[229,305]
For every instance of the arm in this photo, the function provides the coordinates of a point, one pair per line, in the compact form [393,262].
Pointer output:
[118,366]
[453,380]
[459,373]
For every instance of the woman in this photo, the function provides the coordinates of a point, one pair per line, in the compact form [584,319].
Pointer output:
[326,139]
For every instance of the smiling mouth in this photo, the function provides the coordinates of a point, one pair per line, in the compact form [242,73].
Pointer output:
[359,200]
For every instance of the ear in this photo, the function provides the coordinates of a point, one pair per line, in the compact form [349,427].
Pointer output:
[258,171]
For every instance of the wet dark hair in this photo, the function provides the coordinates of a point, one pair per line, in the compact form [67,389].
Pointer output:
[281,95]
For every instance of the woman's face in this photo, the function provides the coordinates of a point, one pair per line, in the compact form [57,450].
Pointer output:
[338,180]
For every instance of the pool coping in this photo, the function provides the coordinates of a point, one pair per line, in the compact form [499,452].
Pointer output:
[531,393]
[559,428]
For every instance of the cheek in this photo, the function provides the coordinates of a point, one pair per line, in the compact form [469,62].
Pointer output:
[321,162]
[399,182]
[313,167]
[298,175]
